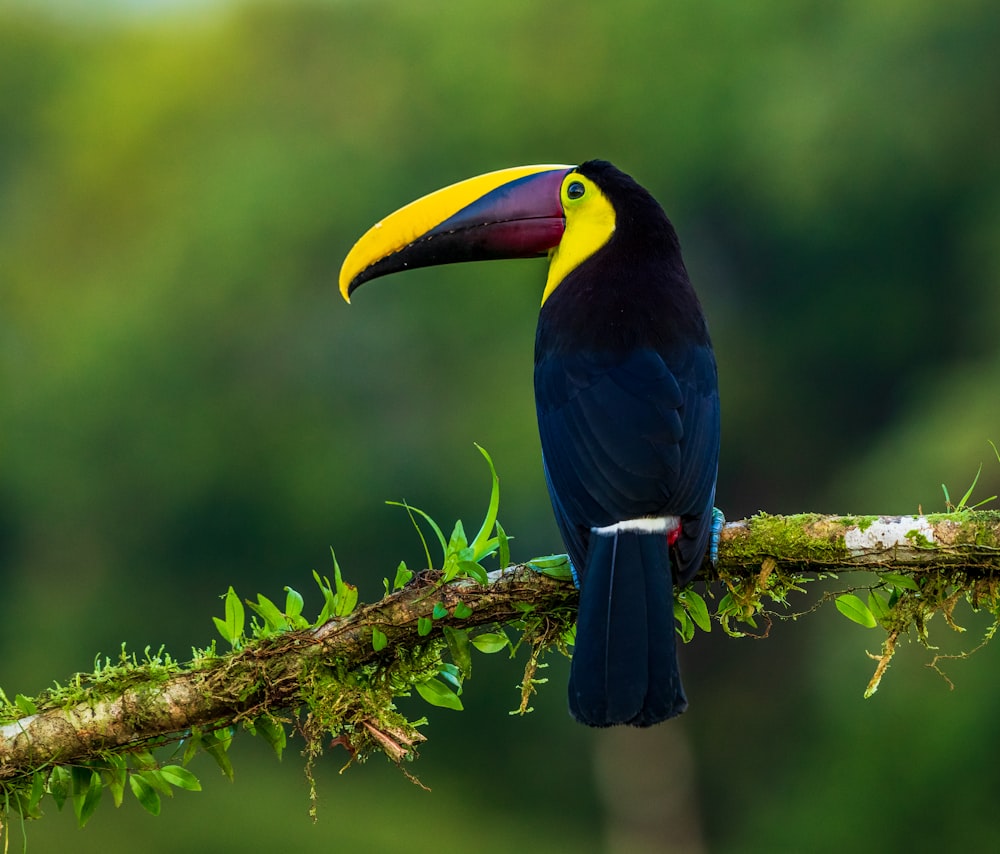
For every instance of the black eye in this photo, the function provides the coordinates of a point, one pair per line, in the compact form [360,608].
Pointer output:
[575,190]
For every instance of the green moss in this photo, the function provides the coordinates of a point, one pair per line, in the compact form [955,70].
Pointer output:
[804,538]
[986,537]
[919,539]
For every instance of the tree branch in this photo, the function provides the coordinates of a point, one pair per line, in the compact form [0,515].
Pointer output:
[343,680]
[966,541]
[267,676]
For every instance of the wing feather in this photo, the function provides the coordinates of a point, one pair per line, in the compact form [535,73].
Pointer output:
[628,437]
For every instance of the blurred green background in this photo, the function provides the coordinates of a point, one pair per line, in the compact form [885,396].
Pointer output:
[186,403]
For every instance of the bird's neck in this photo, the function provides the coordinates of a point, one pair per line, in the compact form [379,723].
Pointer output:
[620,307]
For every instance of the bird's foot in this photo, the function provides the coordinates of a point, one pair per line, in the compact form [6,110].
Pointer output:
[718,521]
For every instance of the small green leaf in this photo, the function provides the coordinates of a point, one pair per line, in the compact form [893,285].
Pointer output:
[696,607]
[490,642]
[329,598]
[440,611]
[424,626]
[155,778]
[145,794]
[273,732]
[480,544]
[25,705]
[854,609]
[435,692]
[503,544]
[293,602]
[180,778]
[87,790]
[37,791]
[60,782]
[458,541]
[379,640]
[347,594]
[216,745]
[473,570]
[450,673]
[224,737]
[900,581]
[403,576]
[232,627]
[458,550]
[968,494]
[878,606]
[458,645]
[117,774]
[235,615]
[274,620]
[192,746]
[144,759]
[685,625]
[462,611]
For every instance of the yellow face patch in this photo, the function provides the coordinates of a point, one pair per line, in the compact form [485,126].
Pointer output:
[590,222]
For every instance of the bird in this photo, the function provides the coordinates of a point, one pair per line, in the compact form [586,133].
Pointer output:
[626,394]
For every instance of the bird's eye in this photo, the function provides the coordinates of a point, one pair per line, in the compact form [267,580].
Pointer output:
[575,190]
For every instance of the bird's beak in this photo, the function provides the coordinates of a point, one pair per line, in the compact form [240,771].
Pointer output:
[512,213]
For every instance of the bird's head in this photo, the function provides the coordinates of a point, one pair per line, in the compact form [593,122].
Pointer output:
[522,212]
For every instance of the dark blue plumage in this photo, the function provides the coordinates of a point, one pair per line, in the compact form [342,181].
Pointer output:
[628,412]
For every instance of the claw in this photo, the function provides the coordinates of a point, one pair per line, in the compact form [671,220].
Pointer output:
[718,521]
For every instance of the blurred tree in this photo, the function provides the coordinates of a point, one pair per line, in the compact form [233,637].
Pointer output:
[184,405]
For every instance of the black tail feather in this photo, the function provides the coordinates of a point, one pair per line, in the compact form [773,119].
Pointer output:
[624,668]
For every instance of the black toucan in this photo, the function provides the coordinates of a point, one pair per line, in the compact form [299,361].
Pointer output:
[626,394]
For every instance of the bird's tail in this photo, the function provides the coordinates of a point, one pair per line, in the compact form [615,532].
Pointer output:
[624,668]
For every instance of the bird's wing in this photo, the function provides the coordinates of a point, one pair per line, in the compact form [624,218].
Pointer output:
[627,437]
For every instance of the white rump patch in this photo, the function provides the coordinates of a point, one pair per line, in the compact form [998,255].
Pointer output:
[645,525]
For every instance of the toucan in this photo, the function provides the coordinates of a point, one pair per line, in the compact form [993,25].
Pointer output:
[626,392]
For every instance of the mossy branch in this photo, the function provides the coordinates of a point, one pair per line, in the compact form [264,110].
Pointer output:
[339,679]
[967,541]
[269,676]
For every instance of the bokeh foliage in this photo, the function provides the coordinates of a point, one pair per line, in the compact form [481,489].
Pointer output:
[185,404]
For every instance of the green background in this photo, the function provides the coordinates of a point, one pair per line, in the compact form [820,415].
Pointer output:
[186,403]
